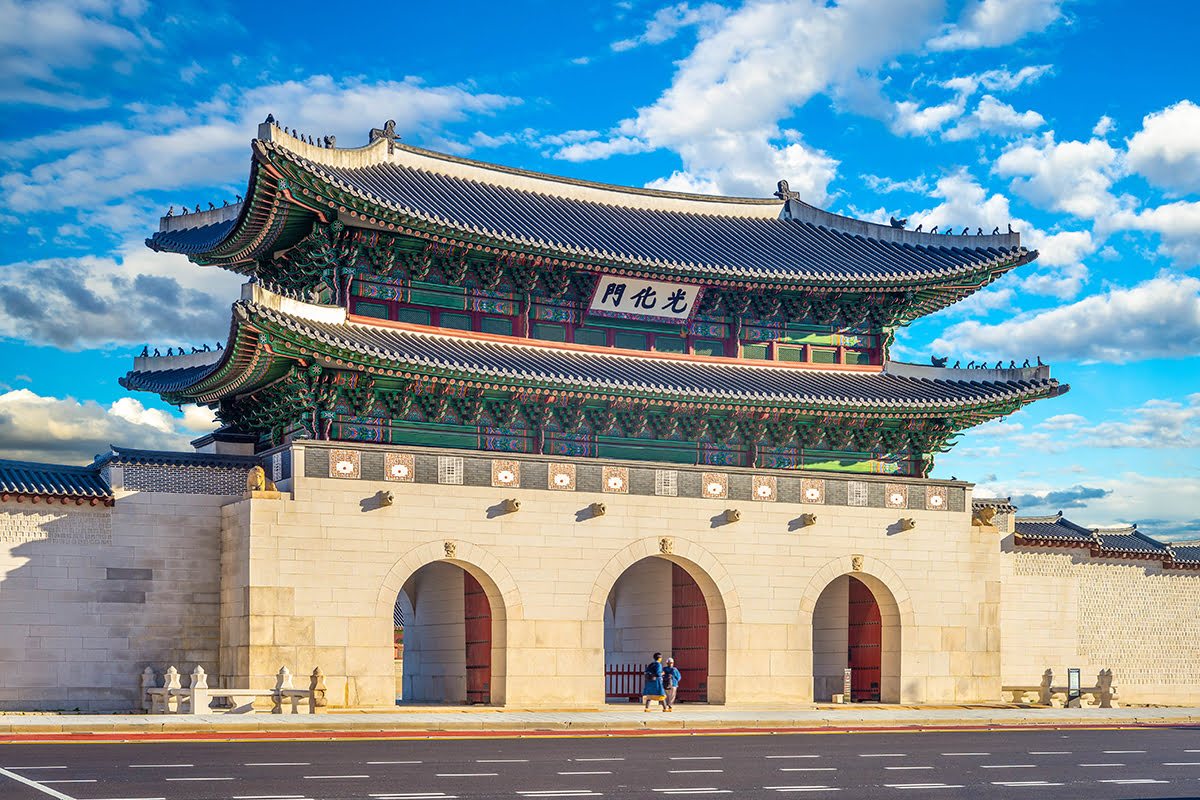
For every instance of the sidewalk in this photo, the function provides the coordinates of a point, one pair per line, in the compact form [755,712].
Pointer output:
[466,719]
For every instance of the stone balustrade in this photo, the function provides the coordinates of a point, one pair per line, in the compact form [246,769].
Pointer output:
[197,697]
[1102,695]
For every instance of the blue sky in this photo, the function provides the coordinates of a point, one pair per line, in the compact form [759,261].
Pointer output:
[1078,122]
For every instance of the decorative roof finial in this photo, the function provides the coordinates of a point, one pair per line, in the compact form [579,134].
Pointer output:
[270,119]
[388,131]
[330,141]
[785,194]
[899,223]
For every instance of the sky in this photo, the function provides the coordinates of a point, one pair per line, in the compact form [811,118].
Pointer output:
[1078,123]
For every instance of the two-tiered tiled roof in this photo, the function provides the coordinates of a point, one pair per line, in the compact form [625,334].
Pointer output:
[1122,542]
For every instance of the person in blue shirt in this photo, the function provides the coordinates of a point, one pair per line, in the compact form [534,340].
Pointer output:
[654,684]
[670,681]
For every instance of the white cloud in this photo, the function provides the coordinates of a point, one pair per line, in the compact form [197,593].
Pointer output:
[135,296]
[1177,223]
[760,62]
[669,21]
[601,149]
[1159,318]
[37,428]
[1103,126]
[1157,424]
[909,118]
[992,23]
[45,42]
[180,150]
[1073,177]
[1062,422]
[994,117]
[1167,148]
[886,185]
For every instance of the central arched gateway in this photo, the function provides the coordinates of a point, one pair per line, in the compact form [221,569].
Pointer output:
[658,604]
[856,624]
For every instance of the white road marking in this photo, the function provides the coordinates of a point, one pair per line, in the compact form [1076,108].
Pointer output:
[562,793]
[923,785]
[332,777]
[1024,783]
[160,766]
[808,769]
[1114,752]
[1007,766]
[502,761]
[395,762]
[199,779]
[1191,751]
[691,771]
[883,755]
[698,790]
[268,797]
[1101,765]
[73,780]
[413,796]
[43,767]
[1132,780]
[593,772]
[966,754]
[908,767]
[803,788]
[35,785]
[804,756]
[130,798]
[278,764]
[596,759]
[1049,752]
[696,758]
[1181,763]
[465,774]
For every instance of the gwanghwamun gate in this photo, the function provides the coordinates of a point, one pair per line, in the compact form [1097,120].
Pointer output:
[525,430]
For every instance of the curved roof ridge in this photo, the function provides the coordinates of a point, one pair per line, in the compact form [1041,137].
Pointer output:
[383,151]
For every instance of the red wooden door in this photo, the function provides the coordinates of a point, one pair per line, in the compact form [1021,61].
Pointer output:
[864,643]
[689,636]
[478,618]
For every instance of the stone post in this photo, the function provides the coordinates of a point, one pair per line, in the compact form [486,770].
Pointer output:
[198,696]
[148,681]
[170,681]
[317,703]
[282,681]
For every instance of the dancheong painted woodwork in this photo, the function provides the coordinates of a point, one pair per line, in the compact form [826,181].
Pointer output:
[402,296]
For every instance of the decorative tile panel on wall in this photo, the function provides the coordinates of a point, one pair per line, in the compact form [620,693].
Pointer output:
[450,469]
[935,498]
[184,479]
[399,467]
[896,495]
[615,479]
[561,477]
[506,473]
[714,485]
[78,526]
[345,464]
[666,482]
[812,490]
[765,488]
[857,493]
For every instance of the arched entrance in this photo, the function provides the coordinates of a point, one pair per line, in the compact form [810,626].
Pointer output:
[447,636]
[856,624]
[657,605]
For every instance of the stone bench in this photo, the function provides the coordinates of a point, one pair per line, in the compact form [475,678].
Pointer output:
[197,698]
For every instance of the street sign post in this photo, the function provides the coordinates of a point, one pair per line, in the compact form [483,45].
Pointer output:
[846,685]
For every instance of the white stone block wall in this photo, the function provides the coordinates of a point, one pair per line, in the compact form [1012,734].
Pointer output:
[323,568]
[91,595]
[1061,608]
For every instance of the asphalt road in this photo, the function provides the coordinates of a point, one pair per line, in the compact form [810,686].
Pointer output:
[1097,765]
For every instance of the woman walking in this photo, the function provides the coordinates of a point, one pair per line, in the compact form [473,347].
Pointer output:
[671,678]
[654,684]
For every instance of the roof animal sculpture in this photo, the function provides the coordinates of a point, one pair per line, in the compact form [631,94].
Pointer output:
[939,362]
[330,141]
[995,230]
[1010,230]
[784,192]
[388,131]
[979,231]
[899,223]
[270,119]
[918,228]
[171,211]
[211,207]
[934,229]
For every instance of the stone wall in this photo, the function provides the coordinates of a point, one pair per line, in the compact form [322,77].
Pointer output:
[435,652]
[1062,608]
[89,596]
[312,577]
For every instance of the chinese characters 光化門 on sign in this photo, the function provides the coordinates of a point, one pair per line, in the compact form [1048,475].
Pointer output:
[633,298]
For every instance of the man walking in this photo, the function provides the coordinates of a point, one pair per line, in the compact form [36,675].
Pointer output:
[671,679]
[654,684]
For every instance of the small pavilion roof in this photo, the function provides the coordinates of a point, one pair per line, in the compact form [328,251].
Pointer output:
[393,187]
[509,361]
[1128,540]
[30,479]
[1056,529]
[1118,542]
